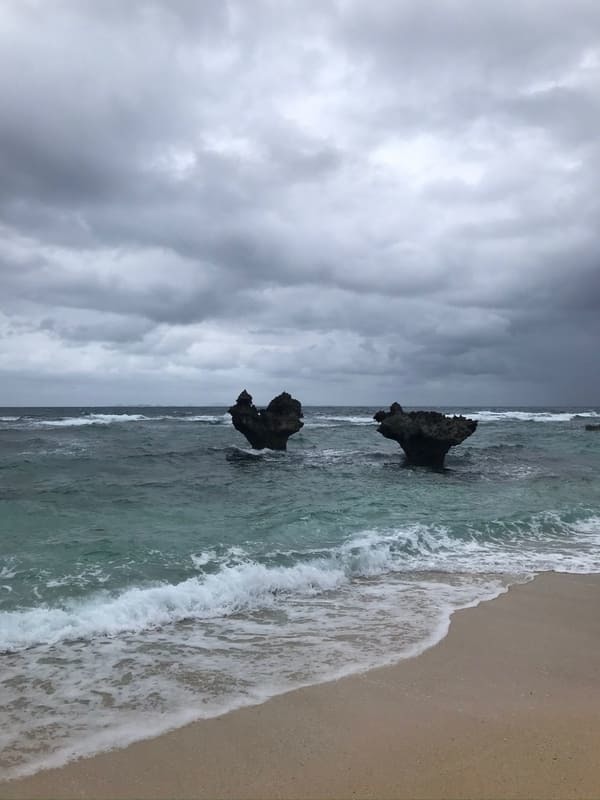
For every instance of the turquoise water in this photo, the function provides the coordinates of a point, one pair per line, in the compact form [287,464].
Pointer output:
[154,569]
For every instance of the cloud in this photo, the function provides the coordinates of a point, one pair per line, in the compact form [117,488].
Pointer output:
[367,201]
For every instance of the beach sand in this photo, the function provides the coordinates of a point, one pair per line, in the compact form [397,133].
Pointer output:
[507,705]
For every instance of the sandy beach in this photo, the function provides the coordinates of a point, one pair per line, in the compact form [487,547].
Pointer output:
[507,705]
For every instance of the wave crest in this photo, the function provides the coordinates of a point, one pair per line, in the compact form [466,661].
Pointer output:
[516,548]
[530,416]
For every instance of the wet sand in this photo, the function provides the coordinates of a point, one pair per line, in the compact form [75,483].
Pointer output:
[507,705]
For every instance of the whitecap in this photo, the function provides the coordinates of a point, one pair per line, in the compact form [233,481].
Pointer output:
[90,419]
[203,559]
[330,420]
[529,416]
[542,543]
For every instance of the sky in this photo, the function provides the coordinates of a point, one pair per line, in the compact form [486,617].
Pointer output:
[357,201]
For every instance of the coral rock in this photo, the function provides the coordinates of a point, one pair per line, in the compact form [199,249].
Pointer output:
[269,427]
[425,436]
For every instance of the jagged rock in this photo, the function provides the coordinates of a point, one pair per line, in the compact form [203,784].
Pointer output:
[592,427]
[268,427]
[425,436]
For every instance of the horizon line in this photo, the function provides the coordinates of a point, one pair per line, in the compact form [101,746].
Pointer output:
[308,405]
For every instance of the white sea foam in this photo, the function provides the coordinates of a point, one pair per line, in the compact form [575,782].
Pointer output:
[82,578]
[96,695]
[84,676]
[203,559]
[317,421]
[234,452]
[590,525]
[330,420]
[8,571]
[110,670]
[89,419]
[249,586]
[233,589]
[529,416]
[108,419]
[483,415]
[215,419]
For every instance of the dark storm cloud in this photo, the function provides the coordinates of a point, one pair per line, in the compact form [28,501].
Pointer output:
[368,197]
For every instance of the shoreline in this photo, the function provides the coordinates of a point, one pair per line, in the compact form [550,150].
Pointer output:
[507,704]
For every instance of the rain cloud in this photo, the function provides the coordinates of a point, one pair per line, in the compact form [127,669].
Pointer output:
[357,202]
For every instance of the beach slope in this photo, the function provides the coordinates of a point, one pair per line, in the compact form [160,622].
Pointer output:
[507,705]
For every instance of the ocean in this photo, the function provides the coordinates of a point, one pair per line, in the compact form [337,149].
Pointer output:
[155,570]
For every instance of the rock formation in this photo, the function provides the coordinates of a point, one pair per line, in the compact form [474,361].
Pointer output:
[592,427]
[425,436]
[269,427]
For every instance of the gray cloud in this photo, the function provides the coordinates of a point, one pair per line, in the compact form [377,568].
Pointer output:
[364,201]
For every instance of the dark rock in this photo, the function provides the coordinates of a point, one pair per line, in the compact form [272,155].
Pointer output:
[395,408]
[592,427]
[269,427]
[425,436]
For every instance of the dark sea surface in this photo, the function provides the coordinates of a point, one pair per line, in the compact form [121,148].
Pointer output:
[154,569]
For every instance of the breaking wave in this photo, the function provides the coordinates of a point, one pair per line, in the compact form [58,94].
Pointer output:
[333,420]
[109,419]
[518,548]
[530,416]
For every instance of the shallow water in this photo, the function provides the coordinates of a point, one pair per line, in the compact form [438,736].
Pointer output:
[154,569]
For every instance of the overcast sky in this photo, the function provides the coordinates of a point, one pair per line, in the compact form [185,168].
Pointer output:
[358,201]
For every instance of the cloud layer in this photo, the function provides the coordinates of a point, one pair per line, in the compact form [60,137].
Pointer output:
[358,202]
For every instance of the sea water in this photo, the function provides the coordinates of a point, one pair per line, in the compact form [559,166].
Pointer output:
[154,569]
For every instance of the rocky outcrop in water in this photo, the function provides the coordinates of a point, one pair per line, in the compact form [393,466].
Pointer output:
[592,427]
[425,436]
[268,427]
